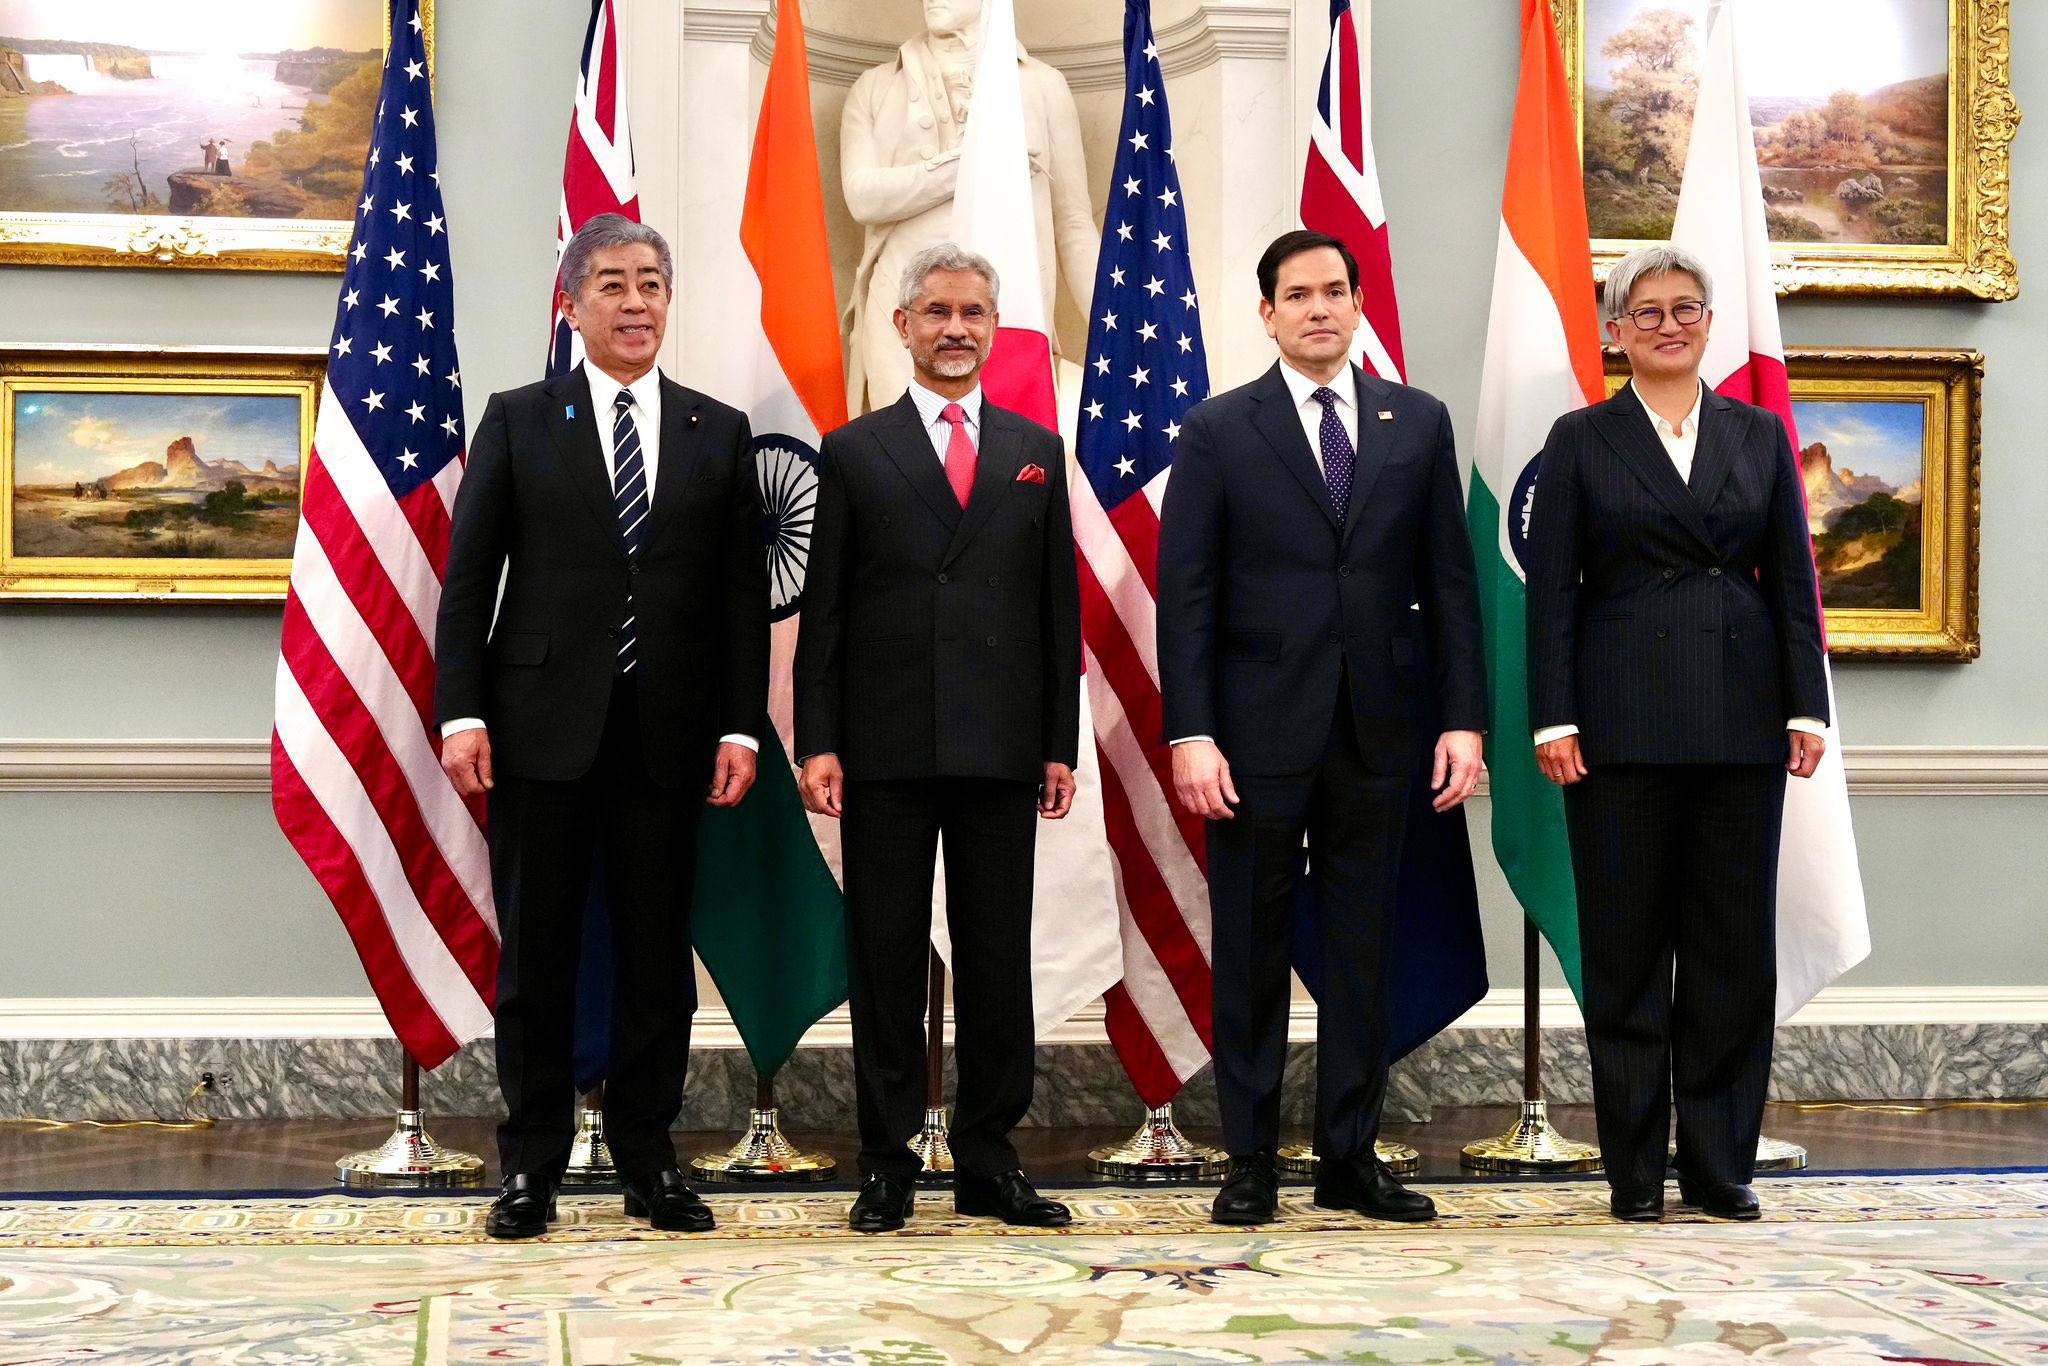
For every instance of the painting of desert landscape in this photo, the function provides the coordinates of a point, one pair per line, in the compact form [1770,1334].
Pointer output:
[1863,462]
[108,475]
[215,108]
[1849,100]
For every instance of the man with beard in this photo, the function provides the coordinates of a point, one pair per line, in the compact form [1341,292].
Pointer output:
[937,697]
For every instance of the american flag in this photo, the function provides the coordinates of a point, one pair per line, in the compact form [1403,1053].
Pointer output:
[1145,369]
[597,172]
[356,779]
[1340,191]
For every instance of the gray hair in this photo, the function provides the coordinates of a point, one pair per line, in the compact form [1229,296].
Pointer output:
[601,233]
[944,256]
[1644,262]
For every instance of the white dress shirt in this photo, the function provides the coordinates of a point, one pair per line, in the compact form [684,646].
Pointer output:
[1679,443]
[931,408]
[646,410]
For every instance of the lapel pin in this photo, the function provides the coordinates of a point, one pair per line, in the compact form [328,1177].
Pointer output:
[693,419]
[1386,415]
[570,412]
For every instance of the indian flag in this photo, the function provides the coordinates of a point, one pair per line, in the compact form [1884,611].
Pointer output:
[1542,361]
[769,923]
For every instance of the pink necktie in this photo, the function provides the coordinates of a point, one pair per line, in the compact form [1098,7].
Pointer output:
[959,453]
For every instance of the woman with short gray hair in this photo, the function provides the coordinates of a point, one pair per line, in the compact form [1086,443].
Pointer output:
[1676,675]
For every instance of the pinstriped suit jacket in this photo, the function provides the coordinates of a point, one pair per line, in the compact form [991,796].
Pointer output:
[1672,624]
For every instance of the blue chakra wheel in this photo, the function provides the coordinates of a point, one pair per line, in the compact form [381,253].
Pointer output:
[788,470]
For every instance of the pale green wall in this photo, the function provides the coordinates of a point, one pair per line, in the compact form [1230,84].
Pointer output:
[117,895]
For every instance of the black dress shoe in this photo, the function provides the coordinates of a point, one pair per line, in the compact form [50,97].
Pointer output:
[1009,1197]
[1365,1185]
[523,1207]
[666,1201]
[1721,1199]
[1250,1193]
[883,1205]
[1637,1204]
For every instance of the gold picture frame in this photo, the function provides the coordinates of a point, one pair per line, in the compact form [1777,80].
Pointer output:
[1896,531]
[152,474]
[68,237]
[1958,245]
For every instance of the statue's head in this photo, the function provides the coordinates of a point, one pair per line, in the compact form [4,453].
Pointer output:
[951,16]
[946,311]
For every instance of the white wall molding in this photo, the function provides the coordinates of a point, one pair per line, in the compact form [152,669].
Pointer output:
[152,765]
[352,1017]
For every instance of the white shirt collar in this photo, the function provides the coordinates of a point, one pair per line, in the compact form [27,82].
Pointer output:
[1689,425]
[604,390]
[931,405]
[1303,388]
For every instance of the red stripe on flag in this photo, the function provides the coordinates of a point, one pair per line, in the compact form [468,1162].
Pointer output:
[333,865]
[1018,375]
[1328,207]
[1152,908]
[607,76]
[1137,525]
[426,511]
[362,576]
[1144,1061]
[348,721]
[1352,95]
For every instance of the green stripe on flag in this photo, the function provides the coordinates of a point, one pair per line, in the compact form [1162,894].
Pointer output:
[767,918]
[1528,810]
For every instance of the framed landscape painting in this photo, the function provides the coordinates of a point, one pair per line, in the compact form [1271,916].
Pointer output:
[152,474]
[1882,129]
[223,134]
[1890,449]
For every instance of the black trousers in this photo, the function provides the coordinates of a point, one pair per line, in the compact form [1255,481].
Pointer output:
[1354,821]
[543,838]
[1676,867]
[890,845]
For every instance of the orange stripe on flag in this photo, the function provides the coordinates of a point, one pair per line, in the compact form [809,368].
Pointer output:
[1545,204]
[782,230]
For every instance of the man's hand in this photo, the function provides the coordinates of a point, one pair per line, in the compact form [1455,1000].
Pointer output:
[466,759]
[1806,751]
[823,785]
[1056,794]
[1454,776]
[1201,780]
[732,773]
[1561,761]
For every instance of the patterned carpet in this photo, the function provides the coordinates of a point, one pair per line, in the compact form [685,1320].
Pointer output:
[1844,1271]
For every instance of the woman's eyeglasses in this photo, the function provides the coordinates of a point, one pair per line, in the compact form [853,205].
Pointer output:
[1685,313]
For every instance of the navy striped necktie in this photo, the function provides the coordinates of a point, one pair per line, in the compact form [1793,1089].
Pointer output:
[630,502]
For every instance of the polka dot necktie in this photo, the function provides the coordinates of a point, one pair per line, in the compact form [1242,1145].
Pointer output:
[629,501]
[1340,461]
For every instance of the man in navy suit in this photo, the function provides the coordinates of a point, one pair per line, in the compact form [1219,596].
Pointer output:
[1317,609]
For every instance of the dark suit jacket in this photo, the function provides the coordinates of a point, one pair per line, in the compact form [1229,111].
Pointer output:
[1671,624]
[536,493]
[1263,599]
[937,642]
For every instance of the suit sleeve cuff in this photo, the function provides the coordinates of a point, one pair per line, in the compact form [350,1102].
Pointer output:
[461,723]
[747,740]
[1191,739]
[1812,725]
[1549,733]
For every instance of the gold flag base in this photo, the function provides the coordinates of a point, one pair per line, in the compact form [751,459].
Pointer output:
[763,1156]
[1399,1158]
[932,1149]
[1772,1155]
[1531,1146]
[410,1160]
[590,1157]
[1158,1151]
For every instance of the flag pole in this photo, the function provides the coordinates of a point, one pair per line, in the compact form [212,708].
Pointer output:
[1531,1144]
[410,1159]
[1158,1151]
[590,1157]
[763,1154]
[930,1144]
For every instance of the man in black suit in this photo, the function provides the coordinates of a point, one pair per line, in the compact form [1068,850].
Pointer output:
[938,696]
[1676,675]
[1310,515]
[628,665]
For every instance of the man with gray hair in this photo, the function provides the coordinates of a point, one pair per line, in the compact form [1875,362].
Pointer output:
[627,668]
[937,697]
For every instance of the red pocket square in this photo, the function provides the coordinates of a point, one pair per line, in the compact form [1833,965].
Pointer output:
[1031,474]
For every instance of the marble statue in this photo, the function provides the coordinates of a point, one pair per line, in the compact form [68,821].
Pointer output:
[899,143]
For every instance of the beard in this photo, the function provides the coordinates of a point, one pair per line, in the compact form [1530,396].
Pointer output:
[954,363]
